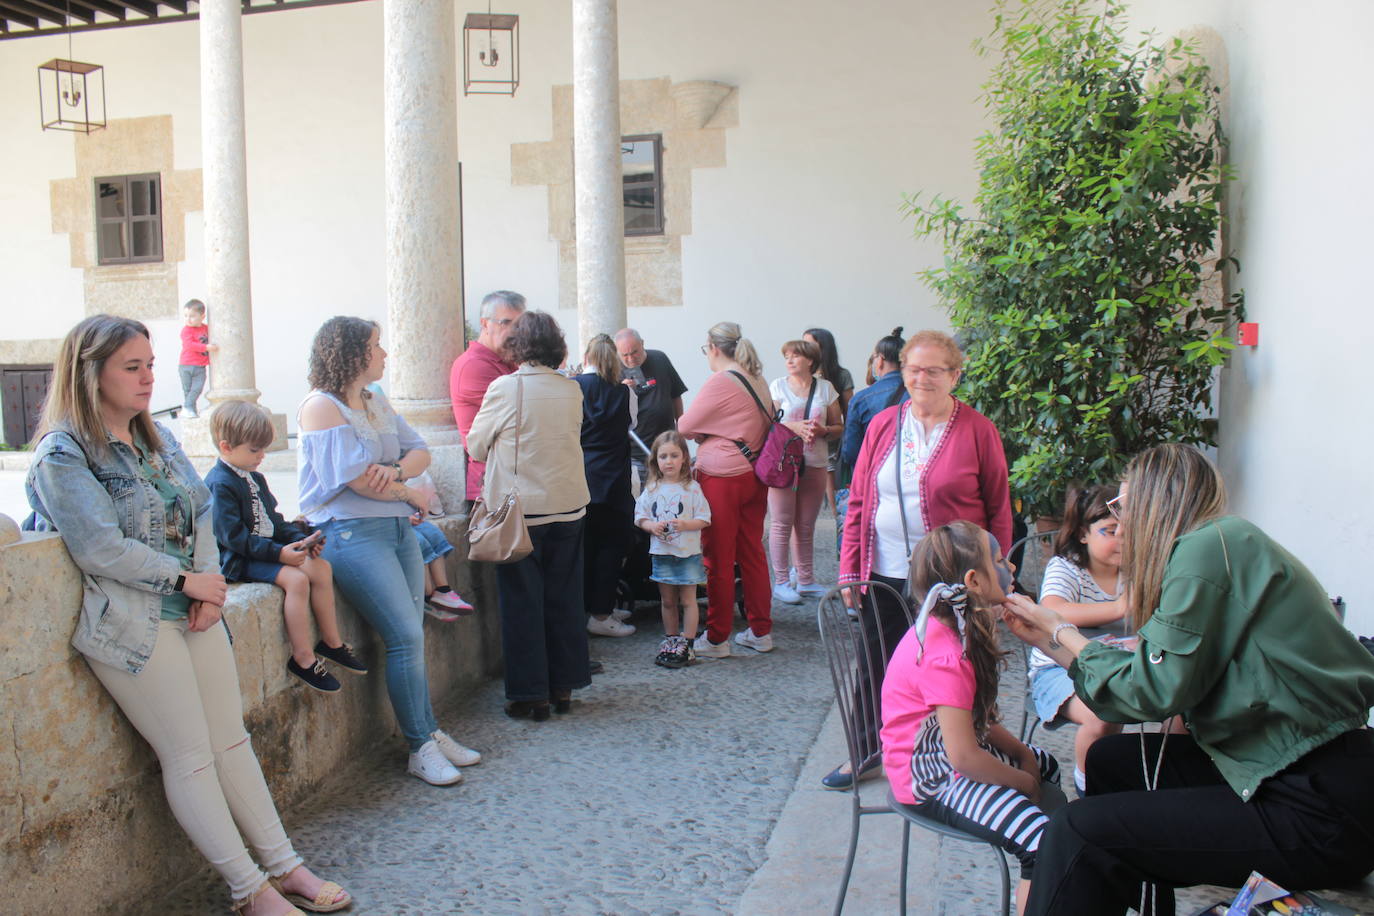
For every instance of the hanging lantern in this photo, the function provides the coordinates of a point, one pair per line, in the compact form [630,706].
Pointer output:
[71,95]
[491,53]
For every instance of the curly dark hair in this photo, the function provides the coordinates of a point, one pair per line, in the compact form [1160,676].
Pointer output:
[536,338]
[339,353]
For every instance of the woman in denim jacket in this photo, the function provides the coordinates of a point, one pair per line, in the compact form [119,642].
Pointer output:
[136,519]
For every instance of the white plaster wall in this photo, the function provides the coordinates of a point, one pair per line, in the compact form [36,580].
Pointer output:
[1296,434]
[801,229]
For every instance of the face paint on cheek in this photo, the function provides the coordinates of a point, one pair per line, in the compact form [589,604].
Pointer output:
[1003,573]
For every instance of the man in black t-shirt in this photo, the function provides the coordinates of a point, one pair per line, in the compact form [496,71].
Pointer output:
[652,377]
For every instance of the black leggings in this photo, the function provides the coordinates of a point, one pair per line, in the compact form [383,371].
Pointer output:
[1307,827]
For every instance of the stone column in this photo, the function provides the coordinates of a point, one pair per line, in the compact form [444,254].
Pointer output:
[423,238]
[599,199]
[228,291]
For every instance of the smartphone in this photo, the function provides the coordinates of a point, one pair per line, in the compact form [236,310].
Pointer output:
[311,539]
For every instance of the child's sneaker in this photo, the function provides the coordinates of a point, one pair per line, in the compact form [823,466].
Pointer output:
[342,656]
[445,597]
[316,675]
[438,613]
[674,652]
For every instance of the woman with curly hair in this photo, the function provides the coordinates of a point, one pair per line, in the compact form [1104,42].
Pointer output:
[355,456]
[535,414]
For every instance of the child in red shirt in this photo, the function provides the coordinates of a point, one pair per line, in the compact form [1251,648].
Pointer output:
[195,355]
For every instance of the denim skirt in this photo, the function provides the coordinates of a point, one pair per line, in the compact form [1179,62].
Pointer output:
[670,570]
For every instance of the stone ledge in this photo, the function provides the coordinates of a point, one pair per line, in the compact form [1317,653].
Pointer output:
[81,798]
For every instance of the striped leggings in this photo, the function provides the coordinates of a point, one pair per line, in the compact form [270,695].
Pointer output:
[998,814]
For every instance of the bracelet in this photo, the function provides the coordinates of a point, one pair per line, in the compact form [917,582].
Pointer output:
[1054,635]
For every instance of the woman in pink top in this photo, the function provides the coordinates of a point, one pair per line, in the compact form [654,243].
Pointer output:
[923,463]
[723,416]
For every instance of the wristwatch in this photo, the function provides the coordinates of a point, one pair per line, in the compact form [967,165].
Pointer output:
[181,584]
[399,476]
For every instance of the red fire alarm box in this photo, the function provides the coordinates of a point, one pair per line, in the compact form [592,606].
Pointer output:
[1249,334]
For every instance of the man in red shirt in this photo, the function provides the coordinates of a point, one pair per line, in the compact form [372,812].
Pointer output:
[483,362]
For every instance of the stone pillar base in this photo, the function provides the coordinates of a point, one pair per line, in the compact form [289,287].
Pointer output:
[448,469]
[197,442]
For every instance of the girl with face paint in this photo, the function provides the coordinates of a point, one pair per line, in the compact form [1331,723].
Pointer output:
[943,749]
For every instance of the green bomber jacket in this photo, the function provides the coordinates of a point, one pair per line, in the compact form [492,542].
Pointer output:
[1245,645]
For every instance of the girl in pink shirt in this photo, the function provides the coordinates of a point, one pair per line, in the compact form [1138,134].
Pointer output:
[943,749]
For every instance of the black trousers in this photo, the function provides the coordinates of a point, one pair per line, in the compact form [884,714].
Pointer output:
[606,543]
[883,616]
[1307,827]
[543,629]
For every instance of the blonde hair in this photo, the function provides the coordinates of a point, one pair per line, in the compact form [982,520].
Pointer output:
[674,438]
[602,356]
[73,401]
[240,422]
[946,555]
[728,339]
[1173,489]
[805,349]
[937,339]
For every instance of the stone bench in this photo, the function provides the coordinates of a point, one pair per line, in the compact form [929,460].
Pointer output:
[81,799]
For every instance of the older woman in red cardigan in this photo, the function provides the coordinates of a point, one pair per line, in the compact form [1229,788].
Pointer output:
[924,463]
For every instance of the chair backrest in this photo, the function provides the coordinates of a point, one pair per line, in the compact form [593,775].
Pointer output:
[854,643]
[1031,555]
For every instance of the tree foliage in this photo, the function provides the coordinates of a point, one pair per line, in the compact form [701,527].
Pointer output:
[1087,287]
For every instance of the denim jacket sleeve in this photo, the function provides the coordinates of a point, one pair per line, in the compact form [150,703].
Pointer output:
[83,512]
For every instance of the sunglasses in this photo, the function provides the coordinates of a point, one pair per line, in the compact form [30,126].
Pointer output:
[1115,507]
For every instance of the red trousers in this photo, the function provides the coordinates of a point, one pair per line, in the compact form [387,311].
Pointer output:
[735,535]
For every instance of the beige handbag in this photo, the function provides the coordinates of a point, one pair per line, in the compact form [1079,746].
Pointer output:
[497,534]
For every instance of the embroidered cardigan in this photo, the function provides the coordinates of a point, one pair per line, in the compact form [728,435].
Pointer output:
[966,478]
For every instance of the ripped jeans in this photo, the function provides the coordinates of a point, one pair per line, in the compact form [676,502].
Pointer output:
[186,704]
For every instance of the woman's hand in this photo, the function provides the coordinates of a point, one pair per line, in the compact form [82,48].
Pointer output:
[802,428]
[381,476]
[202,615]
[1030,622]
[205,587]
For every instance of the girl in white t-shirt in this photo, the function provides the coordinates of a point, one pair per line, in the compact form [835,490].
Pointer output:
[793,510]
[1083,583]
[673,509]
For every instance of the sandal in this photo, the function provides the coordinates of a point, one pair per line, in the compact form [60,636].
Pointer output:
[240,905]
[326,901]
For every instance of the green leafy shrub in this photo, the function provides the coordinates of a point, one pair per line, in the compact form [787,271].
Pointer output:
[1088,288]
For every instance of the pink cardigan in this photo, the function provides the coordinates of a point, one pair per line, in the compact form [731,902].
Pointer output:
[966,478]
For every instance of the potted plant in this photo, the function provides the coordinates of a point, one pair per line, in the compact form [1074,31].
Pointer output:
[1088,289]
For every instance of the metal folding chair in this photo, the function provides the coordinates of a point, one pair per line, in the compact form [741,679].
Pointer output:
[1030,554]
[850,649]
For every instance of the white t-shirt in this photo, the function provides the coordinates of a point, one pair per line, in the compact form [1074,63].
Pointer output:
[892,556]
[664,501]
[793,405]
[1066,579]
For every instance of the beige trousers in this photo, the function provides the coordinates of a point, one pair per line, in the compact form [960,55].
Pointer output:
[186,704]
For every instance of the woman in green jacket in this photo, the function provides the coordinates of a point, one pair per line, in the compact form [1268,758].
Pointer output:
[1238,638]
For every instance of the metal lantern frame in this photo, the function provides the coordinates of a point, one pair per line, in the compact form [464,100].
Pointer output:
[477,23]
[85,79]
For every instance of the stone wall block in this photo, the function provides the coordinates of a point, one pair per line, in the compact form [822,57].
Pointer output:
[646,106]
[694,149]
[36,636]
[695,102]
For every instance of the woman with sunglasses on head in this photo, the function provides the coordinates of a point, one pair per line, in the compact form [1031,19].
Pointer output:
[924,462]
[1238,637]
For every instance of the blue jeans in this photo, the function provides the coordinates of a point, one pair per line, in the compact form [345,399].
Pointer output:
[433,544]
[377,568]
[543,625]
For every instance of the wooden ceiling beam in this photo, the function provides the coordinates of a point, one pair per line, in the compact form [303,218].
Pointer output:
[35,11]
[60,11]
[107,7]
[11,12]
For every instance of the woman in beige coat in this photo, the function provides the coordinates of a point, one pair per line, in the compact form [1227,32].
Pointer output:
[543,624]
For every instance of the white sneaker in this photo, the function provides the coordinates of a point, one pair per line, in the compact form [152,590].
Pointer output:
[792,576]
[786,594]
[608,627]
[704,648]
[430,764]
[811,589]
[457,755]
[747,639]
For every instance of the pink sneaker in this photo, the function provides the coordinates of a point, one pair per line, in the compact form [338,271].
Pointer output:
[448,598]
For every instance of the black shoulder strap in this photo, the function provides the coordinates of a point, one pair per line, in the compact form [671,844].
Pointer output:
[753,394]
[806,414]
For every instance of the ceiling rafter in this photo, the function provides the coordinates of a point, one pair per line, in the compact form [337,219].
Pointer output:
[30,18]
